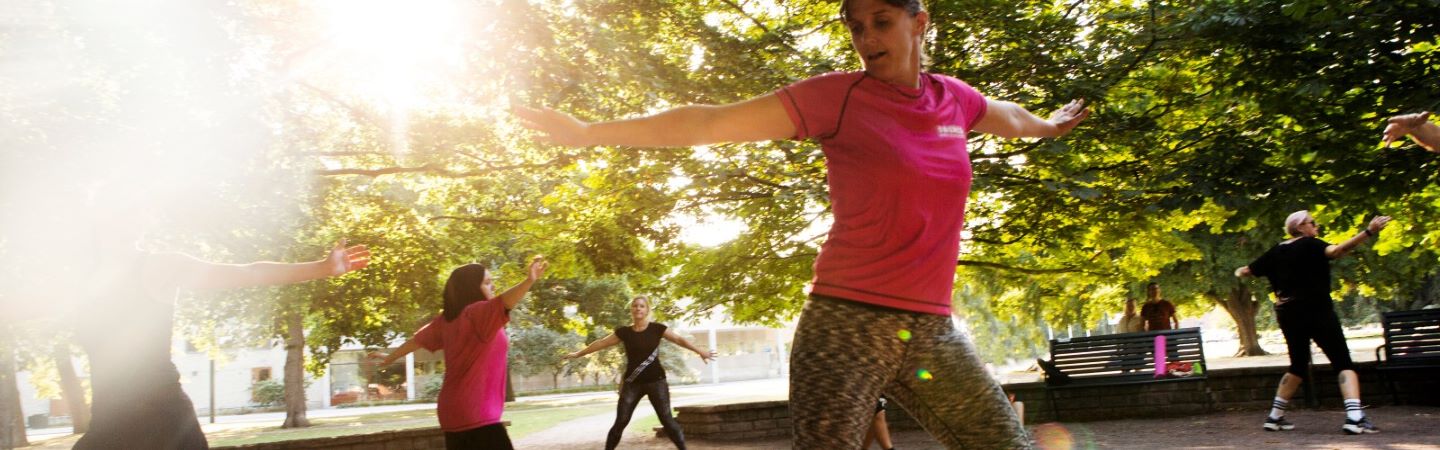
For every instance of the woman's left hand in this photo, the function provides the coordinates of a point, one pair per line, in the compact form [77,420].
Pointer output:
[1397,127]
[1068,116]
[707,357]
[537,268]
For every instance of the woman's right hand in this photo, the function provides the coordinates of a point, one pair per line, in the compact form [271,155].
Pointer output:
[572,355]
[555,127]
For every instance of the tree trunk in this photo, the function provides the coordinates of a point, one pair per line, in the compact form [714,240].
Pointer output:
[12,422]
[555,380]
[71,389]
[295,370]
[1240,303]
[509,388]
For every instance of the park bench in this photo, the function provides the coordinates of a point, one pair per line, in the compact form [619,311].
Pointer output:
[1117,360]
[1412,341]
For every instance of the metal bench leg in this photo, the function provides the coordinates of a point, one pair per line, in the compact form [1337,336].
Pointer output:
[1054,409]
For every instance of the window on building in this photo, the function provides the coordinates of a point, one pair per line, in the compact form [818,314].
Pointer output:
[259,374]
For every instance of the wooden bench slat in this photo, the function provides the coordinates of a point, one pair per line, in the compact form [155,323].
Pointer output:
[1412,341]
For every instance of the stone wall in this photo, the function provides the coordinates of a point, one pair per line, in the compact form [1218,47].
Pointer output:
[736,420]
[1249,388]
[1226,389]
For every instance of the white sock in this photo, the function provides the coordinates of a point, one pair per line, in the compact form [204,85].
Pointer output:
[1353,411]
[1277,409]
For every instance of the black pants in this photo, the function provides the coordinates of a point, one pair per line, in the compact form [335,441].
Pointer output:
[630,393]
[1303,323]
[161,418]
[489,437]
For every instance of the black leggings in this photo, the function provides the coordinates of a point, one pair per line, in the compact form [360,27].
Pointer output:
[659,393]
[1300,325]
[488,437]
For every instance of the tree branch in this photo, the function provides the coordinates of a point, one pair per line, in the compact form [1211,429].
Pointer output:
[477,220]
[759,24]
[1026,270]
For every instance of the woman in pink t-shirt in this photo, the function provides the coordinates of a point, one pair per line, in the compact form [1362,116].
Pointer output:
[895,144]
[471,331]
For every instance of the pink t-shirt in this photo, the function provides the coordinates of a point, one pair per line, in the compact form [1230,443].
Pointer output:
[475,345]
[899,176]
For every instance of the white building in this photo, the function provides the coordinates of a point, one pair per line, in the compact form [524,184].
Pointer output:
[745,353]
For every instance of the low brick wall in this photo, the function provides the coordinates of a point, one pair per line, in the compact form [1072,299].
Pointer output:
[735,421]
[1250,388]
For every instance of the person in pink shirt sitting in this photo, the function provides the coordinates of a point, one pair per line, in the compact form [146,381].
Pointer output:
[471,331]
[895,143]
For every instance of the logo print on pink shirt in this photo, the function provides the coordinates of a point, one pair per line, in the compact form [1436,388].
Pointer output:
[955,131]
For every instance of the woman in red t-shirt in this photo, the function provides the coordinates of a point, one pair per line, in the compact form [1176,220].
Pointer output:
[898,169]
[471,331]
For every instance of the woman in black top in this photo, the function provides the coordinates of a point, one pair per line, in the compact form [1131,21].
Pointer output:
[643,377]
[1299,272]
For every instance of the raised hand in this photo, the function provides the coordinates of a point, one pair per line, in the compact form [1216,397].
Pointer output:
[1378,223]
[537,267]
[1068,116]
[555,127]
[1397,127]
[707,357]
[344,259]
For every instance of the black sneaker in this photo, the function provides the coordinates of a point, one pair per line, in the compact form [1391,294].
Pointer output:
[1362,426]
[1278,424]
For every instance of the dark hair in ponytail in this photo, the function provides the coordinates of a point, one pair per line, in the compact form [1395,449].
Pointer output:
[462,289]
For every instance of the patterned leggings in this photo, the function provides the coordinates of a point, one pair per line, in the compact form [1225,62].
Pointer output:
[847,353]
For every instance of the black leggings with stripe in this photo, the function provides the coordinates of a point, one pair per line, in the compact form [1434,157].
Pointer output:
[846,354]
[630,394]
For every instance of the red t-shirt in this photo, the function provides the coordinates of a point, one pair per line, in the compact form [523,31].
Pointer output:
[899,176]
[475,345]
[1158,314]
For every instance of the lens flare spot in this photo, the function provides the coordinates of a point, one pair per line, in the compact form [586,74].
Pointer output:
[924,375]
[904,335]
[1053,436]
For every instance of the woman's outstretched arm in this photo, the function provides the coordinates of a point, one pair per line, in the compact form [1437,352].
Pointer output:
[170,270]
[706,356]
[1009,120]
[761,118]
[512,296]
[596,346]
[405,349]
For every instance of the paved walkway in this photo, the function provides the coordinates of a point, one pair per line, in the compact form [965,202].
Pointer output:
[593,429]
[1402,428]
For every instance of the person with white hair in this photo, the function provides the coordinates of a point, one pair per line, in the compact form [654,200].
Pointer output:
[1299,272]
